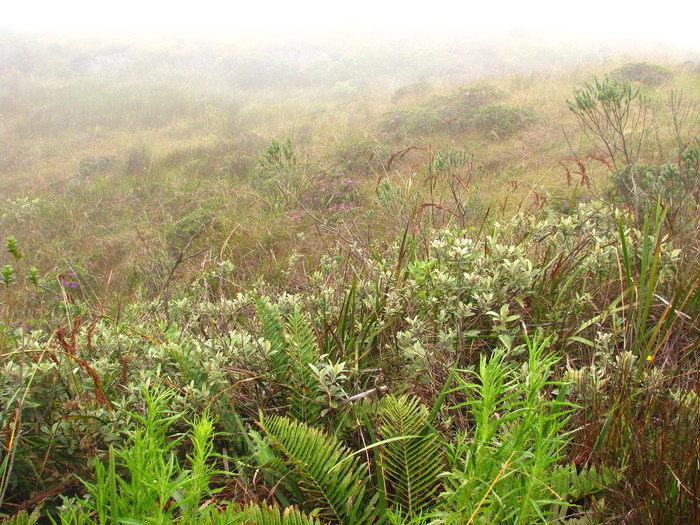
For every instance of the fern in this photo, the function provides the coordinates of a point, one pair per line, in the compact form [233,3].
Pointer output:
[291,348]
[272,329]
[257,515]
[332,478]
[302,351]
[411,466]
[22,518]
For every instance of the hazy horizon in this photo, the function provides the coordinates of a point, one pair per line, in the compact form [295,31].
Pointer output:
[595,24]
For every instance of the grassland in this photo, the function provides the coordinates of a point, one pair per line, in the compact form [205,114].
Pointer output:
[347,284]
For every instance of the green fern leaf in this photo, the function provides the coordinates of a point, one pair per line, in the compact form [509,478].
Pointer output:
[411,466]
[272,329]
[332,478]
[22,518]
[302,350]
[257,515]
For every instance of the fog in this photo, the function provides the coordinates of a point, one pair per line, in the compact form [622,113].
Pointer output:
[594,23]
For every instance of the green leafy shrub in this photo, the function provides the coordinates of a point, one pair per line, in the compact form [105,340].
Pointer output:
[95,165]
[642,72]
[278,157]
[360,156]
[415,122]
[473,110]
[499,120]
[19,210]
[417,89]
[676,183]
[191,226]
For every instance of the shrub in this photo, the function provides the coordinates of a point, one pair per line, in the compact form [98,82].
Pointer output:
[676,183]
[499,120]
[647,74]
[415,122]
[95,165]
[360,156]
[417,89]
[190,226]
[472,110]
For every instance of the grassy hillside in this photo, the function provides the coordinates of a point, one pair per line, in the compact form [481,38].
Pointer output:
[348,284]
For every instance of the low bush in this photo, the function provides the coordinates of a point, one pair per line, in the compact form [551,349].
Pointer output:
[642,72]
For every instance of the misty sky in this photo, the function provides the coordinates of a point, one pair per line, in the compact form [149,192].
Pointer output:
[672,21]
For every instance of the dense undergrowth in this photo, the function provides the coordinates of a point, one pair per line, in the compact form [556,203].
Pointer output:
[357,327]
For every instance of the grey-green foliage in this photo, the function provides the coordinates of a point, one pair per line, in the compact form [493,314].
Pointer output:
[95,165]
[464,279]
[676,182]
[459,170]
[618,118]
[506,468]
[417,89]
[414,122]
[546,268]
[499,120]
[19,210]
[185,230]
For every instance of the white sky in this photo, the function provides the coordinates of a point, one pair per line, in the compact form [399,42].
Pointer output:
[673,22]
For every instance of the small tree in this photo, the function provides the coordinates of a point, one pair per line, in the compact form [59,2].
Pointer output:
[616,116]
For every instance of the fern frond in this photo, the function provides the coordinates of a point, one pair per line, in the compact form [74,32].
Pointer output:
[302,350]
[411,466]
[332,478]
[22,518]
[302,342]
[257,515]
[272,329]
